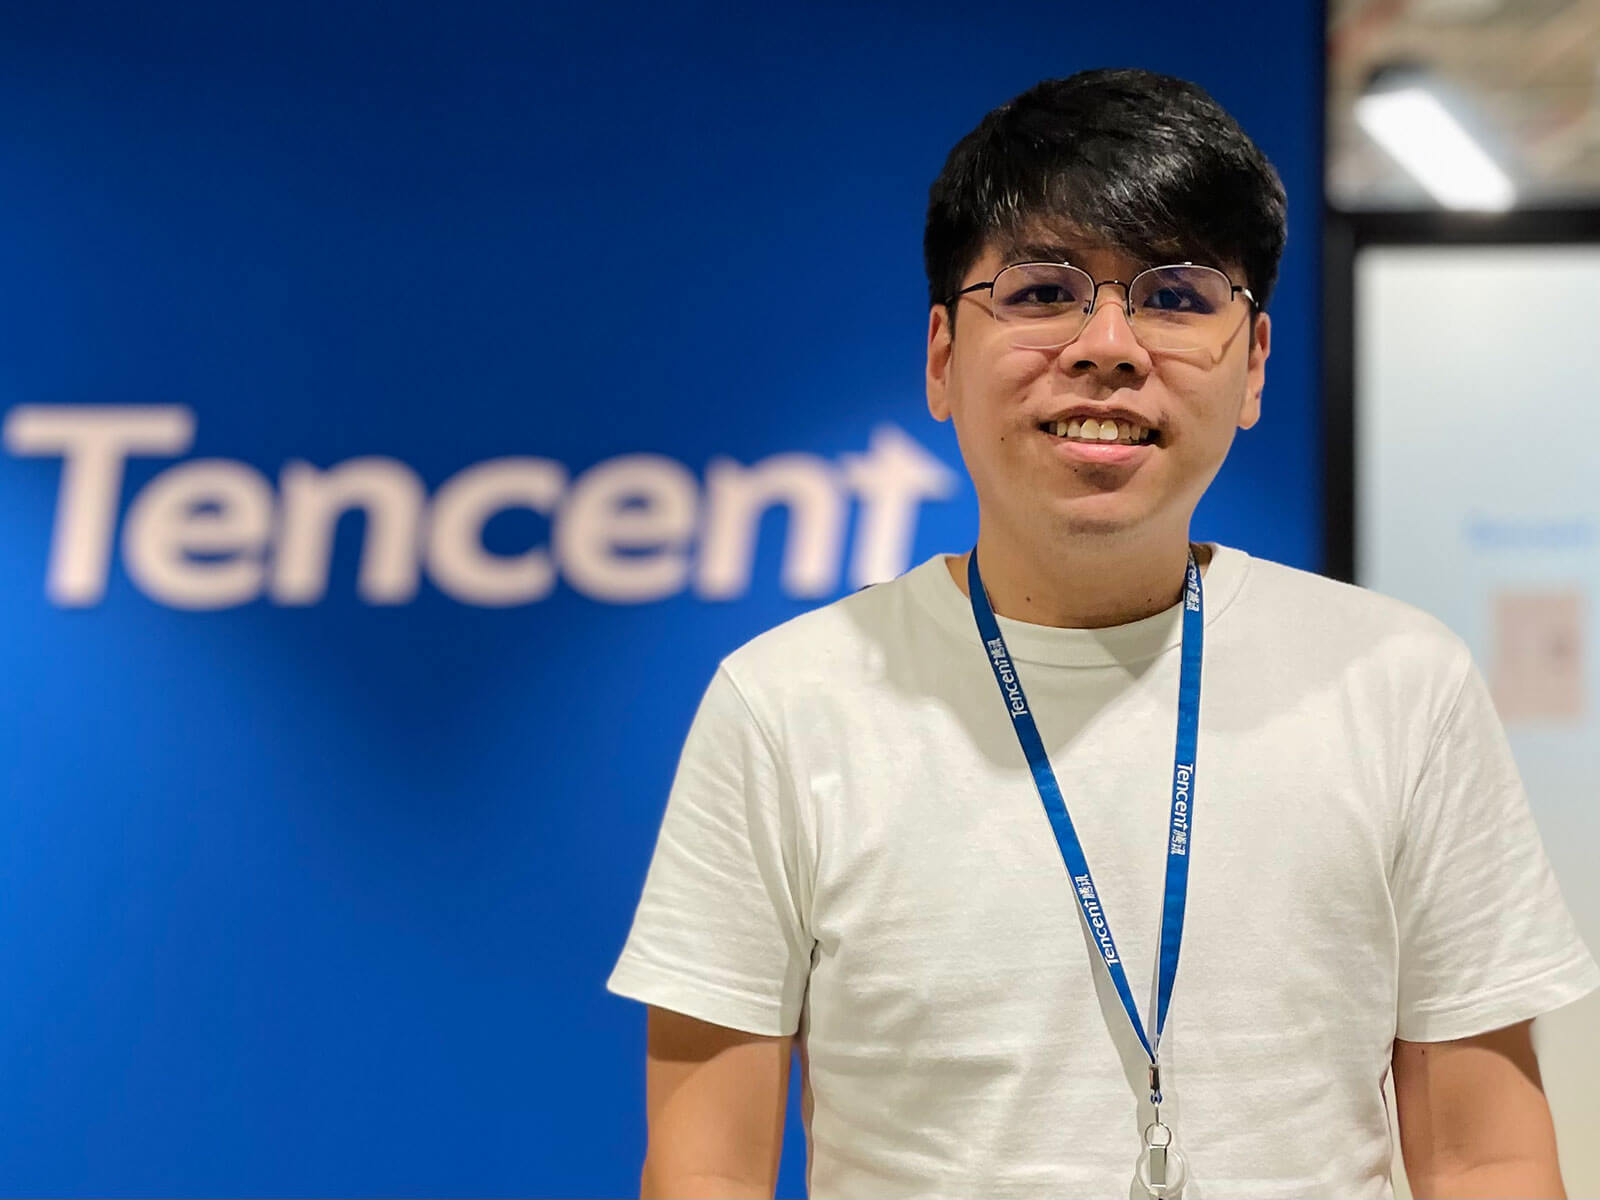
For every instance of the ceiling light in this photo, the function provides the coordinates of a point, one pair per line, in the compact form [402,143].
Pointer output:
[1431,145]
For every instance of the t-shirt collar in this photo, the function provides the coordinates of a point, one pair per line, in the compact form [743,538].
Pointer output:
[1137,641]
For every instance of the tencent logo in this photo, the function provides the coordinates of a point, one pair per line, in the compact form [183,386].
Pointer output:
[212,533]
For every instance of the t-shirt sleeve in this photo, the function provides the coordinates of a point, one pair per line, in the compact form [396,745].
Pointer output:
[1485,937]
[720,930]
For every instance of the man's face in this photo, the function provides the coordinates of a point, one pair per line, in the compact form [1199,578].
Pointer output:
[1041,487]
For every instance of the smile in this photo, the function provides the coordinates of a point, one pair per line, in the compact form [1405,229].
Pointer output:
[1123,451]
[1089,431]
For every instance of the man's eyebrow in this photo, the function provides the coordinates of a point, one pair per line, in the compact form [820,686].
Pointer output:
[1053,252]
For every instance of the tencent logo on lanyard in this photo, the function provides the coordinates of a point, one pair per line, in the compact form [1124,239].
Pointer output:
[1161,1168]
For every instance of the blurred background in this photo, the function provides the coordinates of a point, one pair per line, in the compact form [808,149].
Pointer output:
[405,407]
[1461,349]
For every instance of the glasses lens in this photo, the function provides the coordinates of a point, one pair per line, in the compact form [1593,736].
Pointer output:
[1045,304]
[1182,308]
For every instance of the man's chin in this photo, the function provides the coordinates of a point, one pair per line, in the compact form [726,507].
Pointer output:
[1110,515]
[1110,526]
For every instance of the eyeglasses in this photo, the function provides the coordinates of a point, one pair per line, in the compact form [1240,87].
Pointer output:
[1182,306]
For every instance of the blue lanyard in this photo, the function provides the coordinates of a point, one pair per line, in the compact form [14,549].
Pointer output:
[1177,888]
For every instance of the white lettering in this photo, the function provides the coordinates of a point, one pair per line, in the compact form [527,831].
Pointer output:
[94,443]
[212,533]
[641,502]
[457,560]
[210,506]
[1009,683]
[389,494]
[892,479]
[736,498]
[1100,931]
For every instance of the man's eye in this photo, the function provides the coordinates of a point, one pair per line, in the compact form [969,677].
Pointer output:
[1176,299]
[1041,295]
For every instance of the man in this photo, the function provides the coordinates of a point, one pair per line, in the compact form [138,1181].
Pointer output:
[930,833]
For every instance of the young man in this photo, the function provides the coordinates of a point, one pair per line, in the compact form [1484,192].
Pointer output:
[951,838]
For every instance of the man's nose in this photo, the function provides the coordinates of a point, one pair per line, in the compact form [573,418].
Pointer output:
[1107,343]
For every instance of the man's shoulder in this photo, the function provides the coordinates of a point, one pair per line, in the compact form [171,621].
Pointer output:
[833,641]
[1306,592]
[1330,616]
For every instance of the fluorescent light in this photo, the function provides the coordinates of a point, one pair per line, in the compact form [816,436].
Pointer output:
[1430,144]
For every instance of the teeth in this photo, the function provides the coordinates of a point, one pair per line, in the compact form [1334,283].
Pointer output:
[1088,429]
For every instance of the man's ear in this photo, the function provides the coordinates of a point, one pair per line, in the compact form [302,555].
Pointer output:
[940,345]
[1256,370]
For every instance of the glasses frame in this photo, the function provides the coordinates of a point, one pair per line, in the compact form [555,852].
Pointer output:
[1094,300]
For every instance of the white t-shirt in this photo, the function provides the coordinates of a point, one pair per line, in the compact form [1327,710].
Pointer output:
[853,849]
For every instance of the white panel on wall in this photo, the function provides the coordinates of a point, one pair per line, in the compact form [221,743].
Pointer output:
[1478,499]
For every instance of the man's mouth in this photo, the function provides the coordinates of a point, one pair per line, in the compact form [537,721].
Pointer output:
[1107,432]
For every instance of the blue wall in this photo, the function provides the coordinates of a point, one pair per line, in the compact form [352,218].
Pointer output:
[311,886]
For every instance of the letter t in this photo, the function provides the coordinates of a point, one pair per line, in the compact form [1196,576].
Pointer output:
[94,443]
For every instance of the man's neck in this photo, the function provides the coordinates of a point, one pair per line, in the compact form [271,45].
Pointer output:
[1087,584]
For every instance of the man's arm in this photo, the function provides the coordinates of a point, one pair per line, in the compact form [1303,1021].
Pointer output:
[715,1100]
[1473,1117]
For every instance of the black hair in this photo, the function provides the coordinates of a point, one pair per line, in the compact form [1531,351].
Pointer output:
[1123,159]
